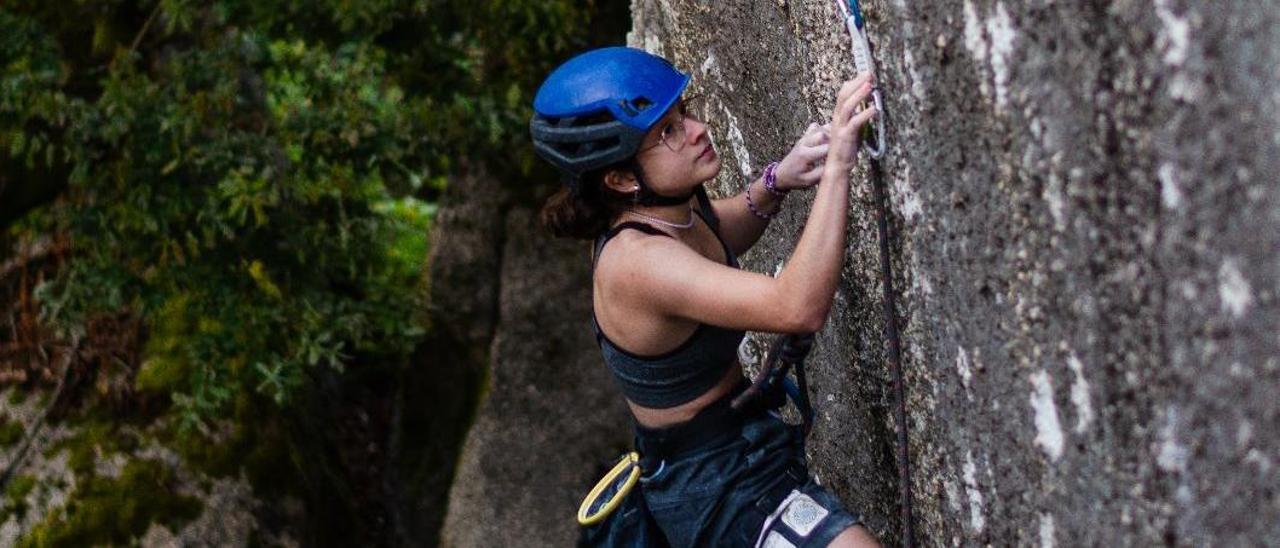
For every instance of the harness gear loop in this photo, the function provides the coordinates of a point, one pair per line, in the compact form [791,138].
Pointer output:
[864,62]
[593,509]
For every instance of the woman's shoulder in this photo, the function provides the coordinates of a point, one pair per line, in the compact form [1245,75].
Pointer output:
[637,250]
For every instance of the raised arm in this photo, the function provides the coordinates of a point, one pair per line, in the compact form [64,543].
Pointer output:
[672,279]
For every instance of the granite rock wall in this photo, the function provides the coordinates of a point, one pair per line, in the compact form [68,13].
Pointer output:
[1085,222]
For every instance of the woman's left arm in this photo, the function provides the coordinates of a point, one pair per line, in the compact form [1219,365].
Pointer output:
[744,217]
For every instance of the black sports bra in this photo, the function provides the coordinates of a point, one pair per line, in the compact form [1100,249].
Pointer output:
[682,374]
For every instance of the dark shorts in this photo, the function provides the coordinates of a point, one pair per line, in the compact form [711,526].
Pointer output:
[725,494]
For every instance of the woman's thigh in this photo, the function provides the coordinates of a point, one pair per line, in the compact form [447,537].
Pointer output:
[855,536]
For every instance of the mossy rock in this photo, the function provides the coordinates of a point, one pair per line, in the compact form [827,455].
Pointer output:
[16,493]
[116,510]
[17,396]
[11,432]
[94,437]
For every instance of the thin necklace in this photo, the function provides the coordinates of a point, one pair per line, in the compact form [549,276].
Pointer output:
[665,222]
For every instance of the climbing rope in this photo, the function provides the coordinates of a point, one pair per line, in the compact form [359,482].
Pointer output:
[874,145]
[895,354]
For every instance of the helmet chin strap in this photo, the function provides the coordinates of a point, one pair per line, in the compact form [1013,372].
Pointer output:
[646,196]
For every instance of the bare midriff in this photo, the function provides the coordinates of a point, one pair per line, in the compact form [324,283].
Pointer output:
[658,418]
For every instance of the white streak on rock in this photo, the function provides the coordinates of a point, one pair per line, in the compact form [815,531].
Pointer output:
[736,141]
[1170,191]
[1174,37]
[976,520]
[1170,456]
[1080,395]
[974,40]
[962,365]
[1047,539]
[1053,196]
[1000,29]
[1233,289]
[1048,430]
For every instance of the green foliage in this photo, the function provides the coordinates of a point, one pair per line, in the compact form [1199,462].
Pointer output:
[254,177]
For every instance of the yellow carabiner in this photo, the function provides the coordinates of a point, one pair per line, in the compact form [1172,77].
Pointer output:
[629,461]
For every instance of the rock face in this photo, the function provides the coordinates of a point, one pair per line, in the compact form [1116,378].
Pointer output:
[1085,221]
[551,417]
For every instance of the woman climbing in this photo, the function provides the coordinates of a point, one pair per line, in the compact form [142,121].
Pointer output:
[671,306]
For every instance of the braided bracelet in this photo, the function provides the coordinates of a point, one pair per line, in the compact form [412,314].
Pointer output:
[771,180]
[752,206]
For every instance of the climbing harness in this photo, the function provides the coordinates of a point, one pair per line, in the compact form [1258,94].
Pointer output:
[863,62]
[770,390]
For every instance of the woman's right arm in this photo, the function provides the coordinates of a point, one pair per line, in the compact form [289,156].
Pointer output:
[813,271]
[668,278]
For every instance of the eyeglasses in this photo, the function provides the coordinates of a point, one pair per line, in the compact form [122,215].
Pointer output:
[673,134]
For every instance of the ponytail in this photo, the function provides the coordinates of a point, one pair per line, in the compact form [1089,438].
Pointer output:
[586,213]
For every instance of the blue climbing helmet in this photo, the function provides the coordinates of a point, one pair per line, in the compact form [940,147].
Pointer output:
[633,87]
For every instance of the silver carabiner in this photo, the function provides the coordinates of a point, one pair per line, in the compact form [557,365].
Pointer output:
[863,62]
[877,151]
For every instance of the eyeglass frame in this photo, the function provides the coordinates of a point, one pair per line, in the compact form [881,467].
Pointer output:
[681,114]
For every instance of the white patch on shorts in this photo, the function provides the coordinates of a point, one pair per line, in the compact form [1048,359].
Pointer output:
[803,514]
[774,540]
[799,512]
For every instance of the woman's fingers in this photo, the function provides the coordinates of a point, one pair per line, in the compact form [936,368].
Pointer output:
[849,104]
[862,117]
[818,151]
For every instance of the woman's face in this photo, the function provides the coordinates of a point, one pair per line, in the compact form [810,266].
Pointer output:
[676,154]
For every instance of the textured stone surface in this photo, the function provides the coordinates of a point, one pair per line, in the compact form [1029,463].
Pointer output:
[1084,233]
[551,418]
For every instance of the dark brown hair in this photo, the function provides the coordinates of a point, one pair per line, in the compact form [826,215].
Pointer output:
[588,212]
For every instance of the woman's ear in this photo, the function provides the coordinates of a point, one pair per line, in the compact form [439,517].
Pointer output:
[621,181]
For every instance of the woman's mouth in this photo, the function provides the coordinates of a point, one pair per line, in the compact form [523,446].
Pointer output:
[708,152]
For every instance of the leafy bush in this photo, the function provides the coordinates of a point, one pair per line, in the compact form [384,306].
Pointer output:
[254,177]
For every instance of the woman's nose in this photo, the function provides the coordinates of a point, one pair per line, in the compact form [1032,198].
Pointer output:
[694,129]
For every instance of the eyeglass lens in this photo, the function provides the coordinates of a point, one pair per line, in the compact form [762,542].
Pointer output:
[673,136]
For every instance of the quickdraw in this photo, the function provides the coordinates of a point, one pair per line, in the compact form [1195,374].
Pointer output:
[864,62]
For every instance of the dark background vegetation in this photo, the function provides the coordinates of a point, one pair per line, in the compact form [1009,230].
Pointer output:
[214,225]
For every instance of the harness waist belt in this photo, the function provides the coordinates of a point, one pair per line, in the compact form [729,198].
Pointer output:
[715,424]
